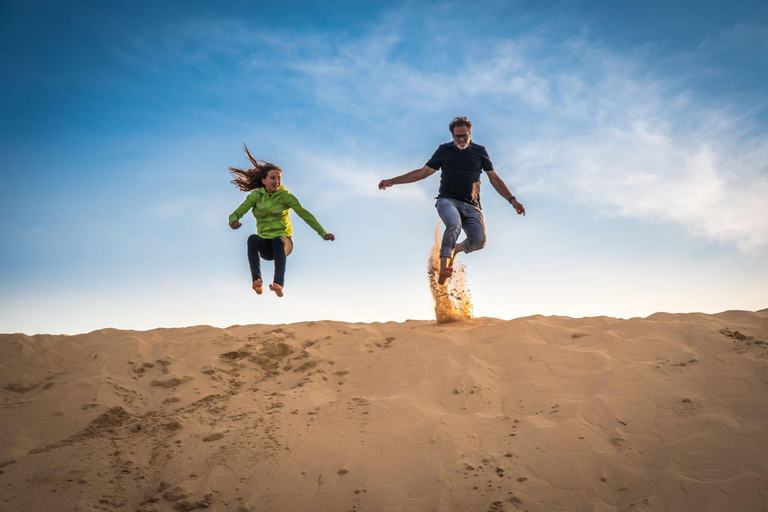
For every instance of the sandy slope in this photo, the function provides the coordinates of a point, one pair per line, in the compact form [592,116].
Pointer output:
[665,413]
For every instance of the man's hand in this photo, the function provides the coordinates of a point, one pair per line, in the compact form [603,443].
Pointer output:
[385,184]
[329,236]
[518,207]
[235,224]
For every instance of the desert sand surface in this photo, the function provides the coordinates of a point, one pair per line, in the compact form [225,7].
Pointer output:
[665,413]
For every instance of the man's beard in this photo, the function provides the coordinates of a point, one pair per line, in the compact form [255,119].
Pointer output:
[463,145]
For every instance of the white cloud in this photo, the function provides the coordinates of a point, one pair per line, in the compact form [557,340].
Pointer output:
[644,174]
[634,145]
[645,149]
[751,37]
[601,126]
[352,176]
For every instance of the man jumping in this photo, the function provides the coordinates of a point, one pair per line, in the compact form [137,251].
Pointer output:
[458,201]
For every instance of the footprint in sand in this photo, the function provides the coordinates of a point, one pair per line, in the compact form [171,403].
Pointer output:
[387,343]
[681,359]
[240,353]
[170,382]
[688,407]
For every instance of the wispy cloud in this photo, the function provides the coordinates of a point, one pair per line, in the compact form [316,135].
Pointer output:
[621,140]
[642,173]
[646,148]
[751,37]
[603,127]
[350,175]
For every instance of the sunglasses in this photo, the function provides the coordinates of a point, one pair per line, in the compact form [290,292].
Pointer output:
[463,136]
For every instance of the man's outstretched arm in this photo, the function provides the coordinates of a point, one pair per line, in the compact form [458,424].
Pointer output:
[504,192]
[409,177]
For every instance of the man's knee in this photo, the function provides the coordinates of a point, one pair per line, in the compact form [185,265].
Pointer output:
[253,240]
[474,243]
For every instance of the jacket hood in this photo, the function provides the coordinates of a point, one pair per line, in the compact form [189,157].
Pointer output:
[279,191]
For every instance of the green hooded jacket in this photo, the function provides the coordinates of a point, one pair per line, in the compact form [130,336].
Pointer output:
[272,213]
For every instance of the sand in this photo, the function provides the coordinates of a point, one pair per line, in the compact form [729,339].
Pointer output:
[665,413]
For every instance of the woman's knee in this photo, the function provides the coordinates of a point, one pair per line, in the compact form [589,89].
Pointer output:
[287,245]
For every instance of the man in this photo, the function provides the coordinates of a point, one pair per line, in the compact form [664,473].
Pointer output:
[458,201]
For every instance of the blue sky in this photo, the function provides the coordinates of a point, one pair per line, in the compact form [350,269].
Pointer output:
[634,134]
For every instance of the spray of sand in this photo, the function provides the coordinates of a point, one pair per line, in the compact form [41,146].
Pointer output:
[452,301]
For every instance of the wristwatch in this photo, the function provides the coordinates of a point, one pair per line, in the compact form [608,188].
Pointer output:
[512,199]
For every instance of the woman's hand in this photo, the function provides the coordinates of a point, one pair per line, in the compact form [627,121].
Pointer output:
[385,184]
[329,236]
[235,224]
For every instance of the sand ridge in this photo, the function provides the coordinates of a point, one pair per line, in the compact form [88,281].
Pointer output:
[663,413]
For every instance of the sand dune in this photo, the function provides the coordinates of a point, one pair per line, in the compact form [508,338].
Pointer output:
[665,413]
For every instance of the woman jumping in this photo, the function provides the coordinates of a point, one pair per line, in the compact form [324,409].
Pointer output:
[271,203]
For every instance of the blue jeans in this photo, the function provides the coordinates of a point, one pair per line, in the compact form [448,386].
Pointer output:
[276,249]
[456,215]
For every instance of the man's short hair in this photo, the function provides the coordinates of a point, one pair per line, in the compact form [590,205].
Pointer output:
[460,121]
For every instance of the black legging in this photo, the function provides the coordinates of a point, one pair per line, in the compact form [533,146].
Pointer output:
[270,249]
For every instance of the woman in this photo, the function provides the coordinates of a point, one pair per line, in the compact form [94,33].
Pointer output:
[270,202]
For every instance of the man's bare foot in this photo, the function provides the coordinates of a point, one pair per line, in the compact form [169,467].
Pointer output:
[444,275]
[257,286]
[277,289]
[446,269]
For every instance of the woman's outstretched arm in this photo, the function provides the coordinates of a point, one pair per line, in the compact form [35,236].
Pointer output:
[307,217]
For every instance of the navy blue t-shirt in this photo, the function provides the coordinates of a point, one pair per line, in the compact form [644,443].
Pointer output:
[461,169]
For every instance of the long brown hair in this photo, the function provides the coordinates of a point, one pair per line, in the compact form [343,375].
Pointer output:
[250,179]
